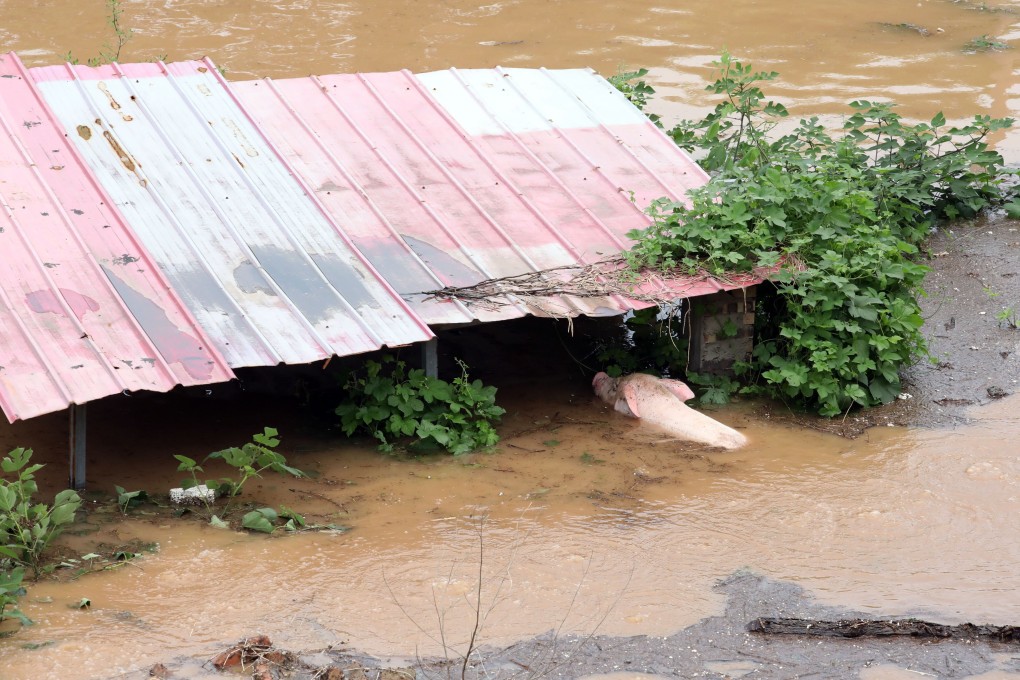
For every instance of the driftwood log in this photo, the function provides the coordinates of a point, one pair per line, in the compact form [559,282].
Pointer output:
[856,628]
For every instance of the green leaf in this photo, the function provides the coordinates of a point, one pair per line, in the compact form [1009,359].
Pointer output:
[257,521]
[397,403]
[186,464]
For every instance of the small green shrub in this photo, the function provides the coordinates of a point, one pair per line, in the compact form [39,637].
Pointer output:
[713,389]
[636,90]
[254,458]
[11,591]
[1007,317]
[27,528]
[837,220]
[389,401]
[250,460]
[111,50]
[129,499]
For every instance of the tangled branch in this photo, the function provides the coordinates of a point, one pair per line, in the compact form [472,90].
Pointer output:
[610,277]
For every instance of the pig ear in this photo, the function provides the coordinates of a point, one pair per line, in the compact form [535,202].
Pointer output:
[630,394]
[681,390]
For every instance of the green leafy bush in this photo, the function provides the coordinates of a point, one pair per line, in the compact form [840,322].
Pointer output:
[250,460]
[11,591]
[254,458]
[637,91]
[388,401]
[835,221]
[129,499]
[27,528]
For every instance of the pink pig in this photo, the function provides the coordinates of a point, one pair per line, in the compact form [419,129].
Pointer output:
[659,402]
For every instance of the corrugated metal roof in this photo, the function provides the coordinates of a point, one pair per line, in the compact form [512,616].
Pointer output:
[455,177]
[84,312]
[291,220]
[265,271]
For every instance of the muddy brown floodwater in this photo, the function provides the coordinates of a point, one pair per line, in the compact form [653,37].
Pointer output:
[578,522]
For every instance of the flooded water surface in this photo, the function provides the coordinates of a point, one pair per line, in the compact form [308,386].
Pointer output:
[827,53]
[579,521]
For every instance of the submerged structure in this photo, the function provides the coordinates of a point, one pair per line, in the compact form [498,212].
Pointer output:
[162,226]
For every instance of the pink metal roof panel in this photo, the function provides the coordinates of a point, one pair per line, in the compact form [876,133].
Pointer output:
[455,177]
[263,268]
[84,312]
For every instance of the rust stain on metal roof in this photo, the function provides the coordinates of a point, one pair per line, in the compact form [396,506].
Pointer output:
[124,156]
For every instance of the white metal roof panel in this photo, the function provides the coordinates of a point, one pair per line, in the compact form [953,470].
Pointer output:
[260,265]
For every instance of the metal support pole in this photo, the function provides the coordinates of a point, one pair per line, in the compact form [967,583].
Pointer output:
[77,446]
[430,357]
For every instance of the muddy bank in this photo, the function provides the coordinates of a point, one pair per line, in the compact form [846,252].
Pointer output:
[722,647]
[973,298]
[718,647]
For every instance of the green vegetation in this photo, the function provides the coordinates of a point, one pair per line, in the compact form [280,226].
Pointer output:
[654,342]
[250,460]
[984,43]
[1007,318]
[635,90]
[11,591]
[834,220]
[264,520]
[713,389]
[389,401]
[28,528]
[93,562]
[110,52]
[129,499]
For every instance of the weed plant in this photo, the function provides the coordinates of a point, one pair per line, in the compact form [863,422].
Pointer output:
[834,220]
[110,52]
[653,341]
[26,527]
[11,590]
[388,402]
[249,460]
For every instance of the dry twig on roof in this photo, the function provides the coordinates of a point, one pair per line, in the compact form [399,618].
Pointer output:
[605,278]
